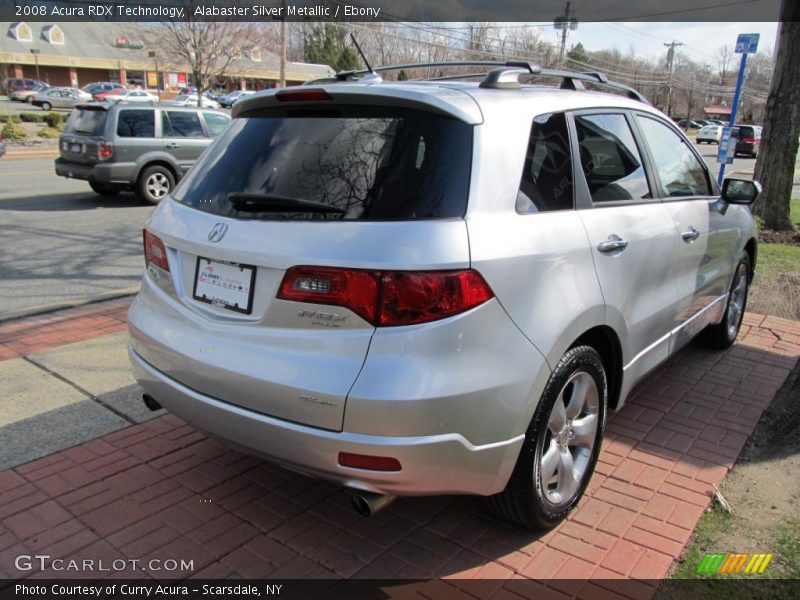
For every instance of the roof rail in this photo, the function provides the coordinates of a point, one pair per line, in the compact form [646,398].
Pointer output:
[508,77]
[531,68]
[505,76]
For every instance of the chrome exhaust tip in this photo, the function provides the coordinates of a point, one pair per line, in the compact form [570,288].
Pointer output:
[150,402]
[367,504]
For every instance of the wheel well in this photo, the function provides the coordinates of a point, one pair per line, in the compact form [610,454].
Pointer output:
[605,341]
[157,163]
[752,251]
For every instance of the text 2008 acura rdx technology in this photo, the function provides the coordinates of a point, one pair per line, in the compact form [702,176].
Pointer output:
[436,287]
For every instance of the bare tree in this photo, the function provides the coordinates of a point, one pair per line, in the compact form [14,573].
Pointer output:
[208,49]
[724,59]
[779,143]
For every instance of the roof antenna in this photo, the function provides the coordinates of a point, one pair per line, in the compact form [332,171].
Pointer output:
[372,77]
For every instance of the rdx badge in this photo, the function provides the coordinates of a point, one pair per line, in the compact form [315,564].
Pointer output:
[322,316]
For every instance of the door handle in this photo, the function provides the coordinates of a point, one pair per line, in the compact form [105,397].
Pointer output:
[690,235]
[612,244]
[172,145]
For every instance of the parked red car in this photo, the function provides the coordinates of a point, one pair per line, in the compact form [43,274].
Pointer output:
[99,91]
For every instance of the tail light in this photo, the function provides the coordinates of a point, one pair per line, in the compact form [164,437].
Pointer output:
[104,150]
[154,251]
[388,298]
[748,140]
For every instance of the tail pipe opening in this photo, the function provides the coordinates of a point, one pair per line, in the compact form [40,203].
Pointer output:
[367,503]
[150,402]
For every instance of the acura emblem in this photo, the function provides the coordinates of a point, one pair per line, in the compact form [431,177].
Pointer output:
[217,232]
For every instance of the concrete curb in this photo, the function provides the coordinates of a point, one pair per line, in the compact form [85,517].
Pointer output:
[11,155]
[47,308]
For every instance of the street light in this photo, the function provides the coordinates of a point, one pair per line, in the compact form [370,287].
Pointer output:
[152,54]
[36,52]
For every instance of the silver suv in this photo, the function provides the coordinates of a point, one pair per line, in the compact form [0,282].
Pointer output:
[436,287]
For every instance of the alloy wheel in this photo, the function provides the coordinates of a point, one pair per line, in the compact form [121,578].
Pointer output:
[570,437]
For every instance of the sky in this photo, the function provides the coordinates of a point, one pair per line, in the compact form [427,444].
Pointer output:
[702,39]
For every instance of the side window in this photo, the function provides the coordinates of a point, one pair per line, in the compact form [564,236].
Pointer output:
[546,182]
[181,124]
[136,123]
[216,123]
[610,159]
[680,171]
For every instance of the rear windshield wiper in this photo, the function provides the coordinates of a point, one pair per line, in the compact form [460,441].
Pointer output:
[273,203]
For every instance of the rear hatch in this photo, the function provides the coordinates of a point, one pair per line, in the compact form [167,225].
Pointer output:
[365,189]
[82,134]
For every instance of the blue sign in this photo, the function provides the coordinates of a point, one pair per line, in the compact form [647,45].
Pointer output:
[747,43]
[727,145]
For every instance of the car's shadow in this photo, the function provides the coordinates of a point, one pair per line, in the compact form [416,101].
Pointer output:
[72,201]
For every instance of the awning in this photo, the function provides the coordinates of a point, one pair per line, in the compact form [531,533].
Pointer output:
[717,110]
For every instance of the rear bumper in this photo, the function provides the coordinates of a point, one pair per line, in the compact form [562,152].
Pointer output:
[433,464]
[101,172]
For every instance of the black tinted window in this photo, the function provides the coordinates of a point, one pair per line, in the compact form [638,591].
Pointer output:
[176,123]
[546,182]
[378,165]
[610,159]
[680,171]
[86,121]
[136,123]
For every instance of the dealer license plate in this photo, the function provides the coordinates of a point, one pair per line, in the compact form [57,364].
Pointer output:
[226,285]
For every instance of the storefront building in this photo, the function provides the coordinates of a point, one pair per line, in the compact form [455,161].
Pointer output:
[74,54]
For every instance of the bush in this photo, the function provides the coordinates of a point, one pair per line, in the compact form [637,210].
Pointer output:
[11,119]
[49,132]
[13,131]
[31,117]
[53,119]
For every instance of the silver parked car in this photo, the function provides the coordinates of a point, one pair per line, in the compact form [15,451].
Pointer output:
[436,287]
[57,98]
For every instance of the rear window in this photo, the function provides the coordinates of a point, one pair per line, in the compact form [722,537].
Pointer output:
[181,124]
[402,165]
[86,121]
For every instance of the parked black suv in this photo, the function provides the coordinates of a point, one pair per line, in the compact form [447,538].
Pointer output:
[126,146]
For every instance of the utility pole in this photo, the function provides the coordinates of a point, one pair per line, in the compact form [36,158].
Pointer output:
[670,61]
[565,23]
[283,47]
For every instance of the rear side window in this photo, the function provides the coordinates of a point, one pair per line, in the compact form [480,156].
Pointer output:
[546,182]
[610,159]
[680,171]
[176,123]
[136,123]
[86,121]
[379,164]
[216,123]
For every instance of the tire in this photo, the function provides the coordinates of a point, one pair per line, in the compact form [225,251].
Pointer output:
[29,99]
[154,184]
[723,334]
[104,189]
[46,106]
[526,500]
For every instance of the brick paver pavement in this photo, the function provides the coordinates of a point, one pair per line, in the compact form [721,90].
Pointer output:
[164,490]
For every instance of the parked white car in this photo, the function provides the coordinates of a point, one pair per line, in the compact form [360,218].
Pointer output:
[134,96]
[191,100]
[709,134]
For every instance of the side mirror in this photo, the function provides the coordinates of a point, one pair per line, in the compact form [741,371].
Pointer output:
[740,191]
